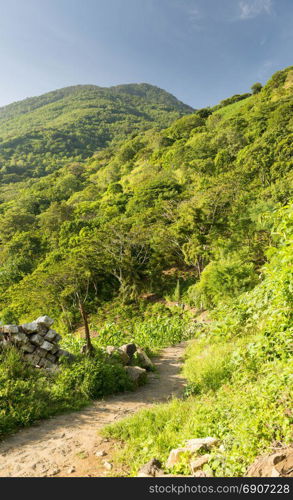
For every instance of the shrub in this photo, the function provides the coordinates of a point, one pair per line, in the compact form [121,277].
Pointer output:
[28,394]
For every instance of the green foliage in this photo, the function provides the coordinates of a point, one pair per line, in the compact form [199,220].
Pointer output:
[240,376]
[256,88]
[153,330]
[110,225]
[96,210]
[28,394]
[247,417]
[222,280]
[40,134]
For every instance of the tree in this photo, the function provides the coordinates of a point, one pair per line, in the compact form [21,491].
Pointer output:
[256,87]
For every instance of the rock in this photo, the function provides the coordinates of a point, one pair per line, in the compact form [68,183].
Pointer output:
[201,444]
[144,360]
[171,475]
[33,358]
[37,339]
[71,470]
[175,457]
[51,358]
[278,464]
[27,348]
[41,352]
[107,465]
[10,329]
[200,473]
[20,338]
[101,453]
[30,327]
[50,335]
[44,321]
[45,363]
[151,469]
[122,354]
[54,471]
[47,346]
[136,374]
[130,349]
[198,463]
[110,349]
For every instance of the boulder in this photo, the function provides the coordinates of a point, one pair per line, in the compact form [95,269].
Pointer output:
[27,348]
[37,339]
[51,358]
[151,469]
[41,352]
[175,457]
[130,349]
[44,321]
[144,360]
[136,374]
[33,358]
[50,335]
[30,327]
[122,354]
[20,338]
[277,464]
[46,363]
[201,444]
[200,473]
[10,329]
[198,463]
[47,346]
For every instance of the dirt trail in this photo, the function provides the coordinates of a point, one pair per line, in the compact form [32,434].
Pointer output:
[66,445]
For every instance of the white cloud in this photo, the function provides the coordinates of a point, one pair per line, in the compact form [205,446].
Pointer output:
[252,8]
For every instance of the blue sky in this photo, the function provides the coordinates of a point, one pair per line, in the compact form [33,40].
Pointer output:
[199,50]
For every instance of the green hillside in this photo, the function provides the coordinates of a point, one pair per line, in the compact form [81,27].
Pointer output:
[143,221]
[192,197]
[39,134]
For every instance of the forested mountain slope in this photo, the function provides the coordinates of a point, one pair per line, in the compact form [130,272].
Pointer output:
[195,198]
[196,215]
[39,134]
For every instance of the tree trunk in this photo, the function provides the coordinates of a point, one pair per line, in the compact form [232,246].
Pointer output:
[89,345]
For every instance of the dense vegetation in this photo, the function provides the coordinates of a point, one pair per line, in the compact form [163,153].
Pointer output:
[240,377]
[28,394]
[178,212]
[135,231]
[40,134]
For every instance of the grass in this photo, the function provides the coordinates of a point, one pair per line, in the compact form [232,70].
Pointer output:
[247,414]
[28,394]
[234,107]
[151,333]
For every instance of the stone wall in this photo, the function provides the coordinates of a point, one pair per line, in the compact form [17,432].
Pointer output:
[37,340]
